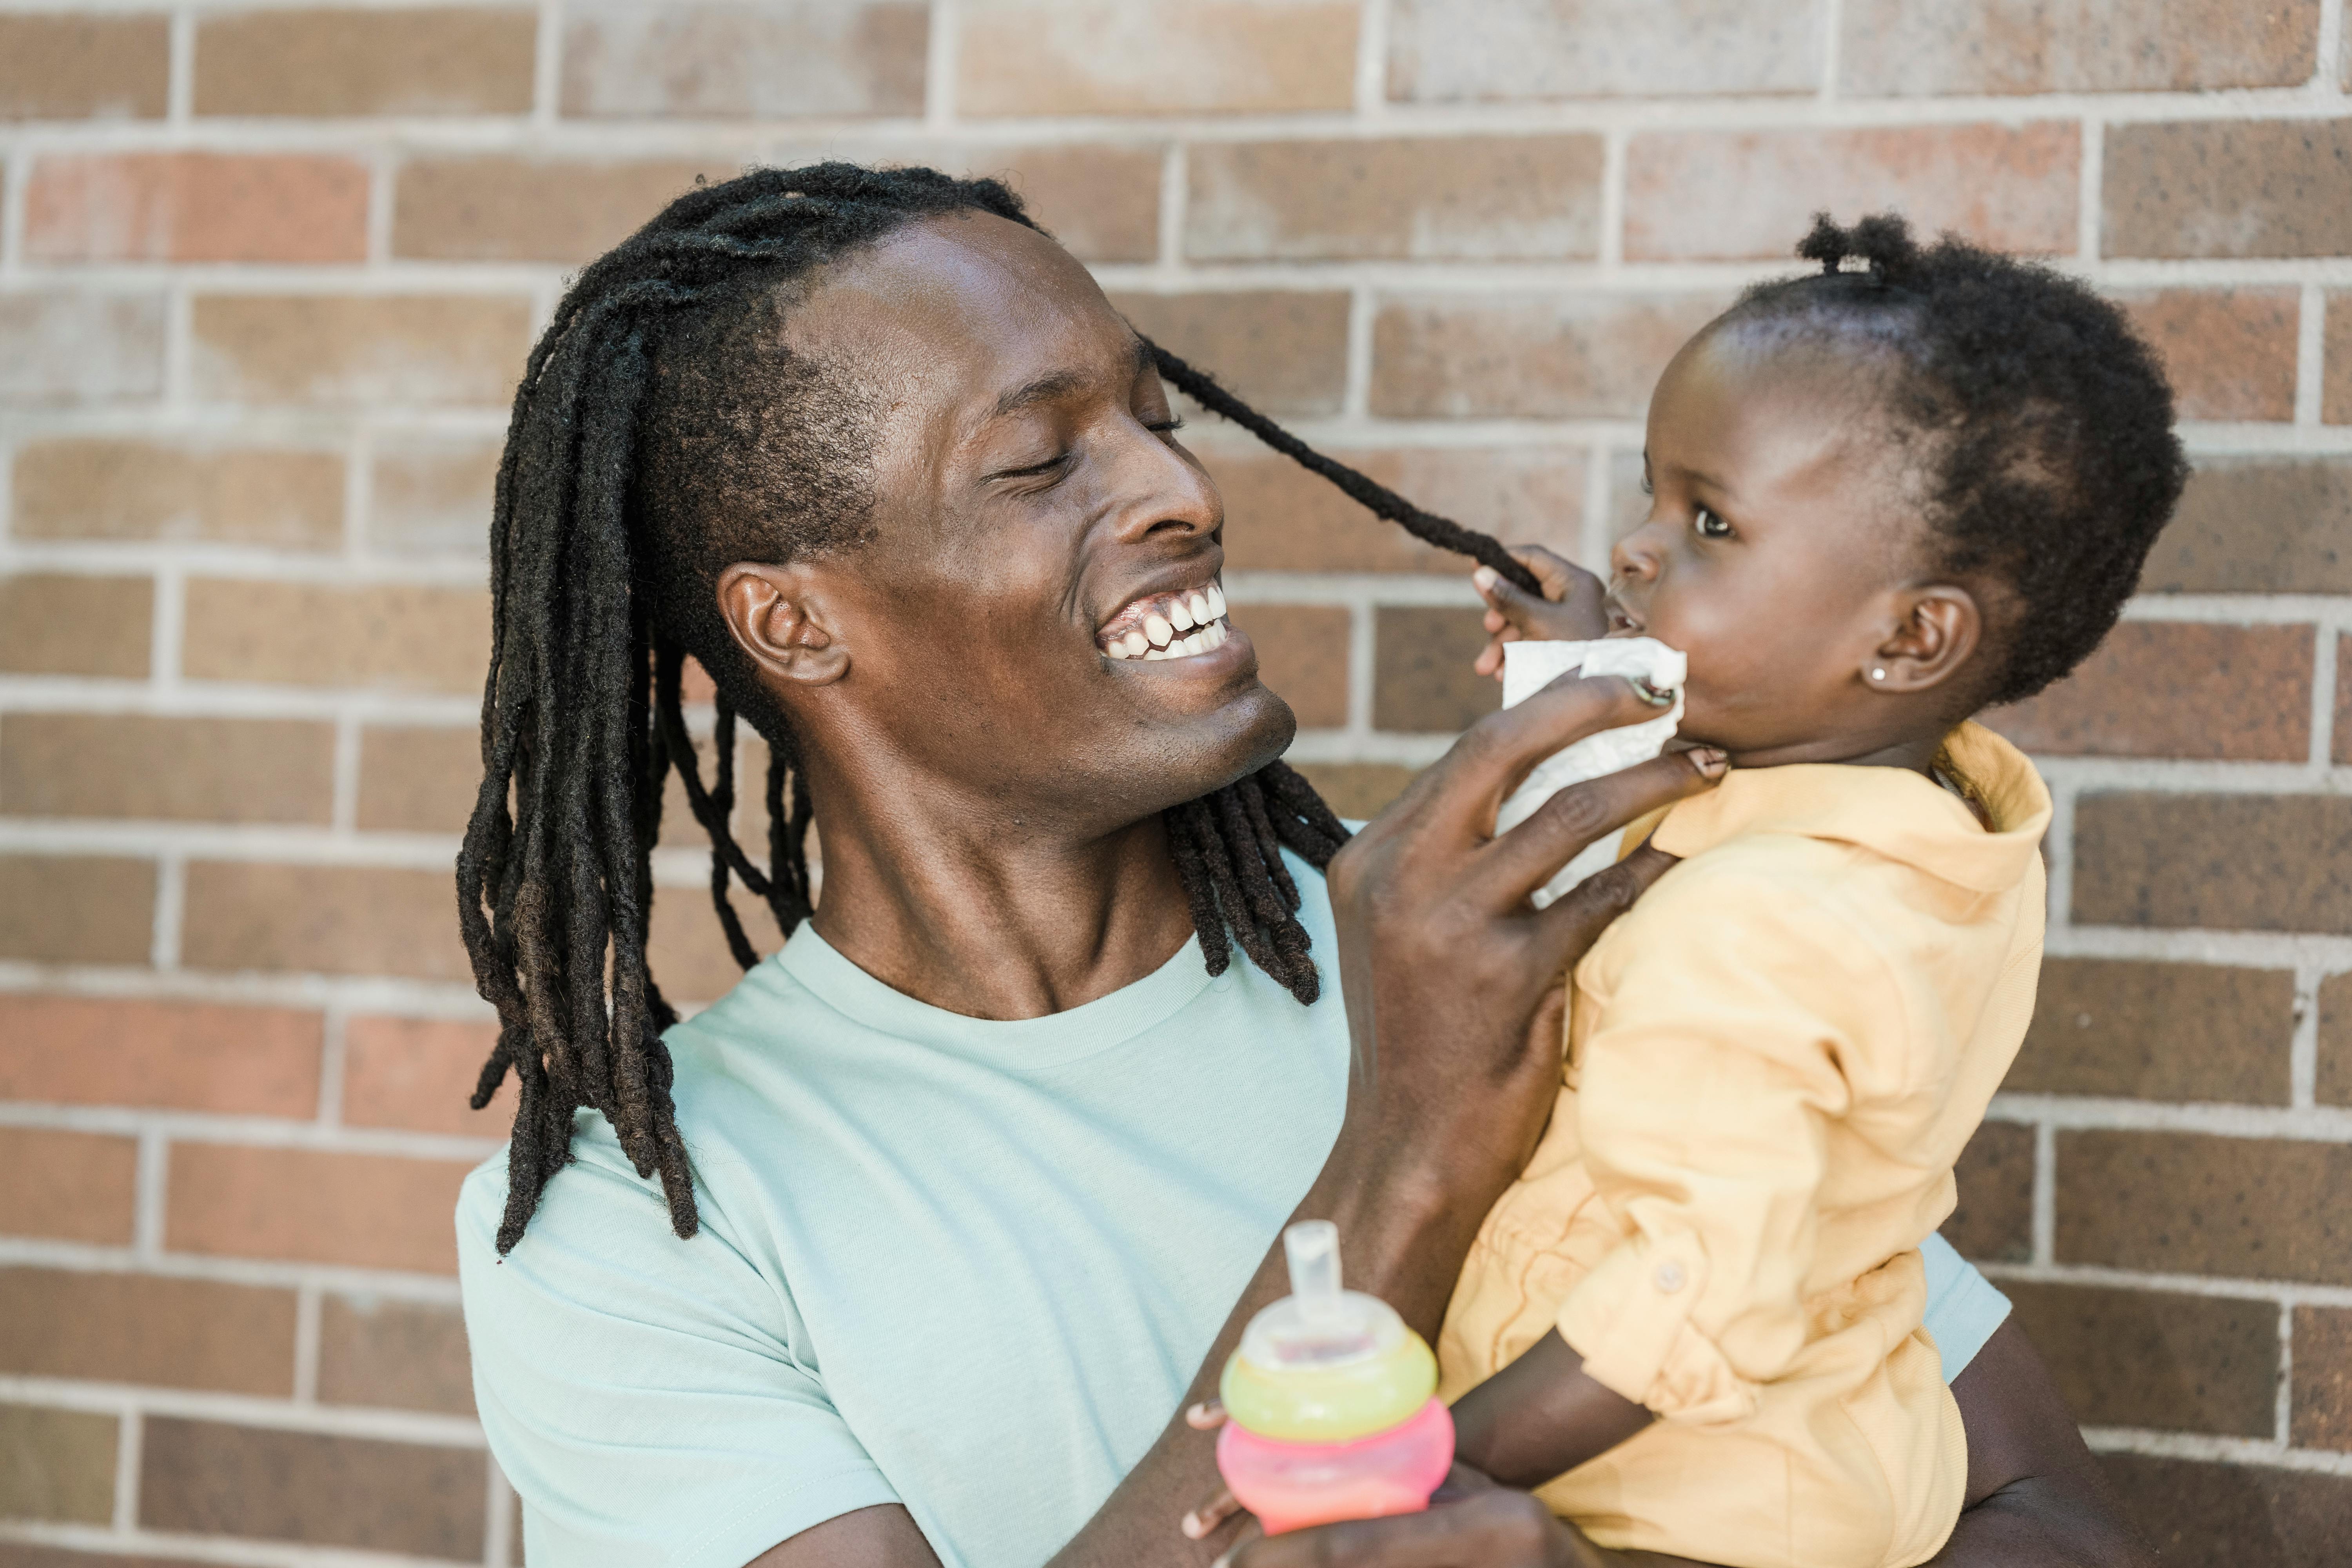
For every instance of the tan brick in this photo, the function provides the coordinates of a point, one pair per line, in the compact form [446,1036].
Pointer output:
[1106,57]
[177,1055]
[1302,655]
[1101,203]
[2248,1516]
[2230,352]
[401,1355]
[1281,518]
[358,351]
[1994,1219]
[1357,792]
[432,497]
[1285,351]
[2137,1030]
[2216,861]
[1484,50]
[67,347]
[681,59]
[1920,47]
[2154,1359]
[1421,678]
[208,1478]
[415,1073]
[2335,1079]
[2228,187]
[140,1328]
[75,908]
[57,1465]
[2258,525]
[75,625]
[1693,196]
[688,949]
[2182,1203]
[2178,688]
[93,487]
[196,206]
[369,1211]
[2320,1409]
[391,637]
[336,919]
[418,778]
[498,208]
[1537,356]
[68,1187]
[188,769]
[2335,361]
[1423,198]
[18,1554]
[471,59]
[60,66]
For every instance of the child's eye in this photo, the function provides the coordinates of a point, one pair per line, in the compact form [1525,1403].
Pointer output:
[1710,526]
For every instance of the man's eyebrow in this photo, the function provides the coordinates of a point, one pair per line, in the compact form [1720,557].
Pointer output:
[1059,383]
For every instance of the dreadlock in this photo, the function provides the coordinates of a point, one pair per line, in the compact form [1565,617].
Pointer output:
[633,423]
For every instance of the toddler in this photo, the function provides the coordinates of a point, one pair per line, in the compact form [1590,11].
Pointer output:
[1886,496]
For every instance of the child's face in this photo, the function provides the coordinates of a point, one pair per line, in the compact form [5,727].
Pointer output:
[1775,553]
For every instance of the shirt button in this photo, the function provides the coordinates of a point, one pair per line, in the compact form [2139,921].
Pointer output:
[1670,1276]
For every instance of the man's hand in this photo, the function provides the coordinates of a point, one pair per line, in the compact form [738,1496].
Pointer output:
[1570,610]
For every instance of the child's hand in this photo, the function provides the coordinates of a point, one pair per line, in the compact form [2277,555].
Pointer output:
[1570,610]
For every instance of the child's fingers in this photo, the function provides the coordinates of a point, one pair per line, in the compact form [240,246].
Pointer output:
[1202,1520]
[1552,573]
[1205,1416]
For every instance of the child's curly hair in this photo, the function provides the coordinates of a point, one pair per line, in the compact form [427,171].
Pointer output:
[2048,460]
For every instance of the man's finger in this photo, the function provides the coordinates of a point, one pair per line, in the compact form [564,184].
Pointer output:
[1199,1524]
[1498,1529]
[1463,788]
[1575,920]
[1580,816]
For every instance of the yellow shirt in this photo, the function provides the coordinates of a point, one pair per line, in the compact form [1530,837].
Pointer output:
[1773,1060]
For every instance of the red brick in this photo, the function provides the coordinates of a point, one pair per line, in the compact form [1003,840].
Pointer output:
[177,1055]
[2320,1410]
[401,1355]
[57,1465]
[2335,1079]
[208,1478]
[1285,350]
[2258,525]
[1107,56]
[67,347]
[60,66]
[2180,1032]
[2228,187]
[2248,1516]
[144,1329]
[1101,203]
[2218,862]
[359,351]
[1473,50]
[1302,655]
[682,60]
[1531,356]
[2230,352]
[135,765]
[687,948]
[416,1073]
[1918,47]
[2336,361]
[391,637]
[334,920]
[1994,1217]
[2178,688]
[473,59]
[1423,198]
[2156,1359]
[2183,1202]
[196,206]
[1281,518]
[18,1554]
[1693,196]
[418,778]
[1357,792]
[68,1186]
[77,908]
[500,207]
[371,1211]
[85,488]
[432,497]
[1421,678]
[75,625]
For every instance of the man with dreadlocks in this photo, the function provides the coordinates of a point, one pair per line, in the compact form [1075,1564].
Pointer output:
[910,1249]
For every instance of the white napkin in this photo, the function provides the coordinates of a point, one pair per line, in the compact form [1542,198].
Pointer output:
[1528,668]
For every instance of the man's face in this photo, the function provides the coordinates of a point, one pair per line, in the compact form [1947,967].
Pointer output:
[1037,528]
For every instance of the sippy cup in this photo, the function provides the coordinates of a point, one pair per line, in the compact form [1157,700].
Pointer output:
[1330,1402]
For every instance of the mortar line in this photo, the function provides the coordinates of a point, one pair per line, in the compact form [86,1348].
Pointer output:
[1600,508]
[383,174]
[2326,672]
[2045,1194]
[307,1305]
[180,91]
[2089,195]
[342,815]
[2310,350]
[941,47]
[130,1445]
[1175,176]
[1832,50]
[171,909]
[2326,80]
[150,1176]
[1610,261]
[547,67]
[333,1028]
[18,161]
[1373,61]
[1361,651]
[1355,396]
[2302,1045]
[2282,1415]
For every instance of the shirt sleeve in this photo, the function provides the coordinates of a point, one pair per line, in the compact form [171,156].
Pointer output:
[644,1395]
[1706,1086]
[1964,1307]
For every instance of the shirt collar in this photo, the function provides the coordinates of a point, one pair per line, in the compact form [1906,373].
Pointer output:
[1893,811]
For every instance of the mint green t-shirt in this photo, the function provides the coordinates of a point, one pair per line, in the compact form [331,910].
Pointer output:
[965,1266]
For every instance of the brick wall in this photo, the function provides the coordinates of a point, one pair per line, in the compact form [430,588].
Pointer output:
[266,274]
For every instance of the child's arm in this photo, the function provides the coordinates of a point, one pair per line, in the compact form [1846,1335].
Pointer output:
[1541,1417]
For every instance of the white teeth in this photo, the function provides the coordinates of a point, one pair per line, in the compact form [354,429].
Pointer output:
[1181,616]
[1191,643]
[1216,634]
[1201,613]
[1158,630]
[1216,602]
[1136,644]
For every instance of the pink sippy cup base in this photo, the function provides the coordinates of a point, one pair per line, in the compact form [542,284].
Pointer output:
[1291,1486]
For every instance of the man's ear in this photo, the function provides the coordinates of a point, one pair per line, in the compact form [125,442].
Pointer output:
[1936,631]
[778,615]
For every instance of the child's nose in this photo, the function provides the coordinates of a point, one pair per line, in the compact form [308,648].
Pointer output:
[1631,556]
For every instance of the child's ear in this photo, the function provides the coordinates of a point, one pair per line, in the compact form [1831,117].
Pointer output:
[1935,631]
